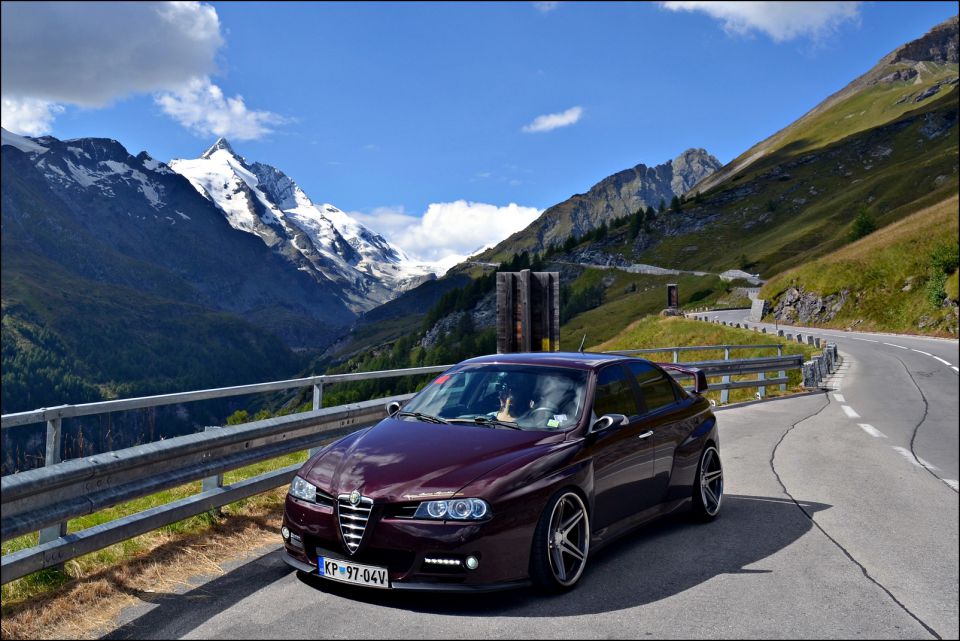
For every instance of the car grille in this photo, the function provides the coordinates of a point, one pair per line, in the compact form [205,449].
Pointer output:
[324,499]
[353,520]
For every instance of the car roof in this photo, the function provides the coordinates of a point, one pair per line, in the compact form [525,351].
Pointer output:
[578,360]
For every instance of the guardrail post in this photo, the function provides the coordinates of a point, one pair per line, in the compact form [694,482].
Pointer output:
[762,389]
[54,442]
[212,482]
[317,404]
[781,373]
[725,393]
[676,356]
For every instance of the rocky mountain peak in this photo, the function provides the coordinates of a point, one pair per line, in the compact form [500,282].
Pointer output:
[222,143]
[937,45]
[690,167]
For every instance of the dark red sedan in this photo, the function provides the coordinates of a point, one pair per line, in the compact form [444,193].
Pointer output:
[505,470]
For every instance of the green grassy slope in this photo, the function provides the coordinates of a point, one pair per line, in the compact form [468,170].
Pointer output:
[882,94]
[888,273]
[652,332]
[628,297]
[790,208]
[128,342]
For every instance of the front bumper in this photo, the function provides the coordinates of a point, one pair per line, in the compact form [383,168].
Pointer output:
[422,587]
[502,545]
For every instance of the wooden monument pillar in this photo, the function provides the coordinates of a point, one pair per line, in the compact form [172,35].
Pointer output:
[528,311]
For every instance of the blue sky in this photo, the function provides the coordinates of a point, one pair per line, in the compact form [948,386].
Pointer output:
[388,108]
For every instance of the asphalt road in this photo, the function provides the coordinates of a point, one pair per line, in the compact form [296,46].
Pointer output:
[836,523]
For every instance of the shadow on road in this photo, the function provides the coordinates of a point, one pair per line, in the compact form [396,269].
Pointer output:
[653,563]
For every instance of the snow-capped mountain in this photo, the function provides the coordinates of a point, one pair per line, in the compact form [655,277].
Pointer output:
[319,239]
[104,215]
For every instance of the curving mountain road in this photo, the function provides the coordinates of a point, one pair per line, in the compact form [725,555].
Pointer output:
[840,521]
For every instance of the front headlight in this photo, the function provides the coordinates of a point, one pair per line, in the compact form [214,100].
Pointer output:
[302,490]
[454,509]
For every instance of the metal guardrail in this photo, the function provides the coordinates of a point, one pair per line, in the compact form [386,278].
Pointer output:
[44,498]
[815,371]
[102,407]
[40,497]
[54,416]
[728,367]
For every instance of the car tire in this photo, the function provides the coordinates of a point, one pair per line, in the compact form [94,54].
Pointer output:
[561,543]
[708,485]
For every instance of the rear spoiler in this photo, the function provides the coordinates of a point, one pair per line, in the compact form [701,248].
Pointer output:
[699,378]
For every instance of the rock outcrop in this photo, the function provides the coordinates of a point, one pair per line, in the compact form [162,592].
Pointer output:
[808,308]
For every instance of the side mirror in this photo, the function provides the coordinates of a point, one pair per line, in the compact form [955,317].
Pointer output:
[393,407]
[607,421]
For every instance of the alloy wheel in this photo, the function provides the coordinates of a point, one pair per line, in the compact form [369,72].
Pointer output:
[568,539]
[711,481]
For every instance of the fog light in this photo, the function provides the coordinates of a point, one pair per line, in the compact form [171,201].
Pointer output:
[285,533]
[472,563]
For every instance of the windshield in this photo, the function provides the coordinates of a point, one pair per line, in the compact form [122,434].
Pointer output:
[520,396]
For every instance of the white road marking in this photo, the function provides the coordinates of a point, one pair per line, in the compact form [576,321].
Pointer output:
[920,351]
[955,368]
[907,454]
[947,363]
[839,398]
[865,340]
[916,460]
[897,346]
[849,411]
[952,483]
[871,430]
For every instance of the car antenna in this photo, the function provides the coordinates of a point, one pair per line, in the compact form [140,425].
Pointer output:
[581,343]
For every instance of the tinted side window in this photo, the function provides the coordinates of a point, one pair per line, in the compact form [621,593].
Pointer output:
[656,389]
[614,394]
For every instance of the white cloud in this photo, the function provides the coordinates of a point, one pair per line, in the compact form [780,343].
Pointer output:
[781,21]
[28,116]
[549,122]
[545,7]
[202,108]
[458,228]
[93,53]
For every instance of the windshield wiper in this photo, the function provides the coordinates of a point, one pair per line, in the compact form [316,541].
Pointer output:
[426,418]
[491,422]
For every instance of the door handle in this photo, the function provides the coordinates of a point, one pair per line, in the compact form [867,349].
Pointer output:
[646,434]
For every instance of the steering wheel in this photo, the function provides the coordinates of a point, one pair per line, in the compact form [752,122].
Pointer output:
[543,408]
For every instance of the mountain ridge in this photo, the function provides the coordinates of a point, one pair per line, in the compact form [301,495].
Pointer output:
[938,45]
[615,196]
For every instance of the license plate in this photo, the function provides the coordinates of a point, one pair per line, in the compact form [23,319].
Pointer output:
[347,572]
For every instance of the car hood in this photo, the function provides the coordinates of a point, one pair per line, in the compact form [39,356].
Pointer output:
[399,460]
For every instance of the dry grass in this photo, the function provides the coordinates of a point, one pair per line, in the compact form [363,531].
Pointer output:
[87,606]
[938,220]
